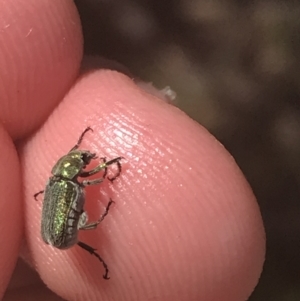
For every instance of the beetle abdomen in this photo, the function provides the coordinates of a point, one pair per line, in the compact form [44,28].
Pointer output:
[62,206]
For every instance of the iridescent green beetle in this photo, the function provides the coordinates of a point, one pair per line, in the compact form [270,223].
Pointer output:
[63,212]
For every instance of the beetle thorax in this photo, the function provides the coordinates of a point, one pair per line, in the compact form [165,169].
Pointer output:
[71,165]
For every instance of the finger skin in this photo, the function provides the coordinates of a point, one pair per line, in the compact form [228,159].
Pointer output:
[185,224]
[11,223]
[40,54]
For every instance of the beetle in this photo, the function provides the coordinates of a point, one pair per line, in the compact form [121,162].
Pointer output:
[63,212]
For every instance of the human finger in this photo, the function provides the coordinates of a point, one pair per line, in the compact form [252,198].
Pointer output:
[40,55]
[185,224]
[11,222]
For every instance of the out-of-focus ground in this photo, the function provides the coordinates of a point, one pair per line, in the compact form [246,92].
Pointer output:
[235,66]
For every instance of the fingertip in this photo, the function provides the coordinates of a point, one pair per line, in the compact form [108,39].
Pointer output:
[186,224]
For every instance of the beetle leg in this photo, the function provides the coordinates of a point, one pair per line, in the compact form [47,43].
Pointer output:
[80,138]
[96,169]
[119,169]
[92,182]
[83,218]
[38,193]
[105,168]
[92,252]
[104,165]
[82,225]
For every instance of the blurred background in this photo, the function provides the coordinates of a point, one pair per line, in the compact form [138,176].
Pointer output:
[235,66]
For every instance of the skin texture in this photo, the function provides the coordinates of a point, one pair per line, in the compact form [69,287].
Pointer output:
[40,58]
[185,224]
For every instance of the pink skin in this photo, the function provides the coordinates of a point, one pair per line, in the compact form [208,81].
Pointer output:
[185,224]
